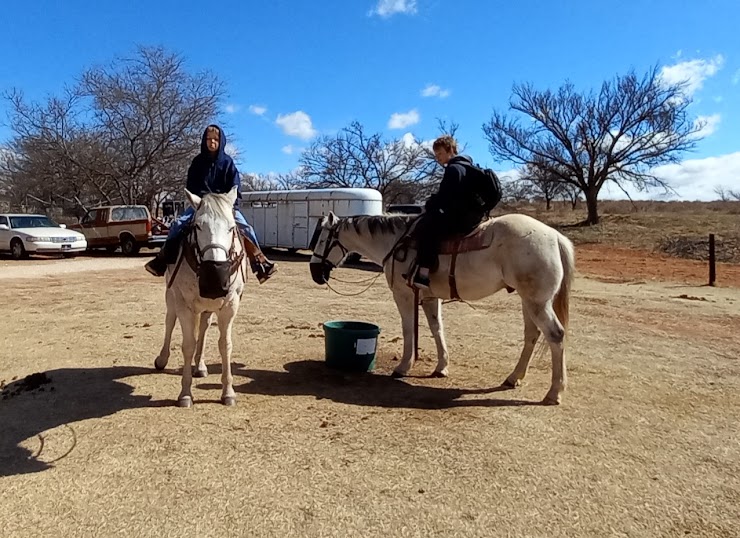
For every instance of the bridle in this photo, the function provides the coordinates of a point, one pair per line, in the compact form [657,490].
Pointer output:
[200,252]
[193,253]
[332,240]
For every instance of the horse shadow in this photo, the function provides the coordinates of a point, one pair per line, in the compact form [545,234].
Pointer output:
[46,400]
[314,378]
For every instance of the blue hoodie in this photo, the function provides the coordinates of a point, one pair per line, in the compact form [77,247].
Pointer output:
[208,173]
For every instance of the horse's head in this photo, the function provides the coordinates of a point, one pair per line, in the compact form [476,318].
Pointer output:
[328,252]
[214,238]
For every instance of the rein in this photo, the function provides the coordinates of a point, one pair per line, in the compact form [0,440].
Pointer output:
[371,280]
[333,241]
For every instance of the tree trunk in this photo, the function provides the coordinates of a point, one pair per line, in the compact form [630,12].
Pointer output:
[592,206]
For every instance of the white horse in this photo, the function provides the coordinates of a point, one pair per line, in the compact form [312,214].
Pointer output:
[513,251]
[211,281]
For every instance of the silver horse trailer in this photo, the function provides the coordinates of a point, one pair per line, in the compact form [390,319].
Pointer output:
[287,219]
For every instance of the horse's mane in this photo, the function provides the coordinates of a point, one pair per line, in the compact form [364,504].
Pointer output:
[217,205]
[379,224]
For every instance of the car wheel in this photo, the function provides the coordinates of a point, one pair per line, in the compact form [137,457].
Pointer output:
[128,246]
[17,250]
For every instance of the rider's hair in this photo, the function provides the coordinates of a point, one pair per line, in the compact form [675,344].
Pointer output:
[446,142]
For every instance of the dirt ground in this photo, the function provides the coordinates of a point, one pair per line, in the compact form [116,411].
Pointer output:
[646,441]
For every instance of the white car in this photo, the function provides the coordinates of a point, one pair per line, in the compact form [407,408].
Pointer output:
[37,234]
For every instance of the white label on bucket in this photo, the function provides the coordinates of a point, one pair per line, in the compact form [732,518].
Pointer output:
[365,346]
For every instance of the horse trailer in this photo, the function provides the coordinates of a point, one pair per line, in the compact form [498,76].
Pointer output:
[287,219]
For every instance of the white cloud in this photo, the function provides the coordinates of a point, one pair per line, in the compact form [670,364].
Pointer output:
[511,175]
[692,72]
[288,150]
[710,125]
[401,120]
[296,124]
[696,179]
[388,8]
[692,179]
[432,90]
[257,110]
[736,77]
[233,150]
[231,108]
[408,140]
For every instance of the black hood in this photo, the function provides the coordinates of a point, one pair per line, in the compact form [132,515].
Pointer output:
[460,159]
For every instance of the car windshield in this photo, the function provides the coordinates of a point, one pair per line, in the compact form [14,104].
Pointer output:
[32,221]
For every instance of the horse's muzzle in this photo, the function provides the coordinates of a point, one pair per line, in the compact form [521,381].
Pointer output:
[214,279]
[320,272]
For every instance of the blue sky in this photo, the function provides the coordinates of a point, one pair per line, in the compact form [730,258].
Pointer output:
[296,69]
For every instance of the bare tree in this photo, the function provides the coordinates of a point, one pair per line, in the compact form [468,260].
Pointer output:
[727,195]
[397,168]
[516,190]
[125,133]
[571,193]
[618,134]
[270,182]
[543,183]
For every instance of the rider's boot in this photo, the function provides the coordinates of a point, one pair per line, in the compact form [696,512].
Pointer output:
[167,255]
[261,266]
[421,278]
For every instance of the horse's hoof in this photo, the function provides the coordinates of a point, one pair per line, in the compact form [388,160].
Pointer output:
[550,401]
[157,365]
[200,373]
[438,374]
[185,401]
[510,384]
[396,375]
[228,400]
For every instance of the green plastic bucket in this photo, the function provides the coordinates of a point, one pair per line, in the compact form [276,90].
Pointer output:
[351,345]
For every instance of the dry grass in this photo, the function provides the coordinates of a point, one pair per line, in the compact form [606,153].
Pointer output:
[648,226]
[645,444]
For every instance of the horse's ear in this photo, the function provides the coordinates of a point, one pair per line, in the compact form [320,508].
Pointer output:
[232,194]
[332,219]
[194,199]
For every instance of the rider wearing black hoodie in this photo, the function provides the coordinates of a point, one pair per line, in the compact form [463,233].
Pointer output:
[212,171]
[452,210]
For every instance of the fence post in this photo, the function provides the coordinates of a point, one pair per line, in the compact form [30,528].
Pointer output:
[712,265]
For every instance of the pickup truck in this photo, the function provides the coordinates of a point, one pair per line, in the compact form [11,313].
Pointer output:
[130,227]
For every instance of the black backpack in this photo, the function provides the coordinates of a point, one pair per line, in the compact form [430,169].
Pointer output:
[484,185]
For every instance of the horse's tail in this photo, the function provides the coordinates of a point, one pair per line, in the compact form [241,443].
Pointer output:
[561,302]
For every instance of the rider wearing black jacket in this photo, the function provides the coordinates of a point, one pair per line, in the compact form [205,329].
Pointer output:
[452,210]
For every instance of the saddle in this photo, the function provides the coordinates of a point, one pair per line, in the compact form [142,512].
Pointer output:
[450,246]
